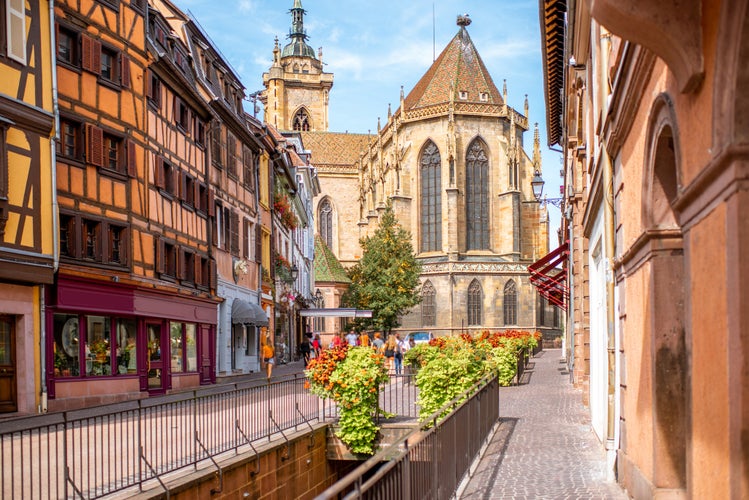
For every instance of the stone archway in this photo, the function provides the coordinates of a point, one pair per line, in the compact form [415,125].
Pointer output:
[667,301]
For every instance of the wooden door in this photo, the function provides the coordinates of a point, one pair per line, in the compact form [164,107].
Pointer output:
[207,373]
[8,400]
[155,356]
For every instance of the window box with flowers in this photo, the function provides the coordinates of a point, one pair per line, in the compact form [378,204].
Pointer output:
[282,207]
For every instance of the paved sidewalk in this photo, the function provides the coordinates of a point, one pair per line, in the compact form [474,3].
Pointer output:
[545,447]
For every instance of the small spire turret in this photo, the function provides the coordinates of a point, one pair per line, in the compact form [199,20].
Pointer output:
[536,149]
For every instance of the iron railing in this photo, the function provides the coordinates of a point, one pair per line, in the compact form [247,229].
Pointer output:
[94,452]
[98,451]
[431,461]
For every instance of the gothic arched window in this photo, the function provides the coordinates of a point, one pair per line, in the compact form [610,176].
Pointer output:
[325,216]
[428,316]
[431,198]
[477,197]
[475,300]
[301,120]
[511,303]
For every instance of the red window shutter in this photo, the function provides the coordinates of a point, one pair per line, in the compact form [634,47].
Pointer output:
[86,53]
[132,163]
[125,71]
[91,54]
[159,173]
[95,150]
[160,260]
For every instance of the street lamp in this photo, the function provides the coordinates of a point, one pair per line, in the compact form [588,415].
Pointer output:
[294,273]
[537,184]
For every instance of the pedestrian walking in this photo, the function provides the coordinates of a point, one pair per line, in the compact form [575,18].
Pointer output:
[389,351]
[269,356]
[364,339]
[352,338]
[316,345]
[305,349]
[398,357]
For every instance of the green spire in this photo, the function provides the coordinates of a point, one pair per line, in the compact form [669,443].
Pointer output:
[297,34]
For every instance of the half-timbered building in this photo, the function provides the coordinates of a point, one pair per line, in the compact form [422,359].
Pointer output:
[237,234]
[27,197]
[127,316]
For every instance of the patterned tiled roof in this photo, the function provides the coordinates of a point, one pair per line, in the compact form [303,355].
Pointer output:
[327,267]
[460,64]
[336,150]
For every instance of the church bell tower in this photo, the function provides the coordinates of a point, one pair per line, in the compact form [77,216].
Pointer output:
[296,87]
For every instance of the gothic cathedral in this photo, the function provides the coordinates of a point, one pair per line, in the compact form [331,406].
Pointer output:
[451,161]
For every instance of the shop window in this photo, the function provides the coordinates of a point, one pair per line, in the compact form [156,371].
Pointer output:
[93,346]
[183,347]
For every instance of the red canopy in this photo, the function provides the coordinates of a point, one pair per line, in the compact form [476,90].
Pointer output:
[549,276]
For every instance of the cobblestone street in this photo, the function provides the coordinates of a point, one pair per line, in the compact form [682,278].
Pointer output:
[545,447]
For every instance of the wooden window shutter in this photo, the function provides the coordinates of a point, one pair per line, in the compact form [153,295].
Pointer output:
[159,173]
[234,218]
[160,260]
[182,191]
[132,163]
[125,71]
[149,84]
[211,208]
[175,181]
[258,244]
[198,270]
[196,201]
[212,277]
[95,150]
[246,240]
[181,256]
[90,54]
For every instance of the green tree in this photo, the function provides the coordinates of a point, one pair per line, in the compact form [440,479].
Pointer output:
[386,279]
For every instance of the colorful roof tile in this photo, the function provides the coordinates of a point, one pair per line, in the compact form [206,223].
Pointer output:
[335,150]
[459,64]
[327,267]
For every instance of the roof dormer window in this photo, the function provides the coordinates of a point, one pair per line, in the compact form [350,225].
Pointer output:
[463,94]
[484,96]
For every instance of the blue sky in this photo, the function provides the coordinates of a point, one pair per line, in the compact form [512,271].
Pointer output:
[375,47]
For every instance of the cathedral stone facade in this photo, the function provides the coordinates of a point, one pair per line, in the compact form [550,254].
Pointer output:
[451,161]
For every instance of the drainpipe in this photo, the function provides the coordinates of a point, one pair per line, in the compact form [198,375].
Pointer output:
[55,212]
[608,225]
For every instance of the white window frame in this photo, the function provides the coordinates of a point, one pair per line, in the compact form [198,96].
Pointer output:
[13,17]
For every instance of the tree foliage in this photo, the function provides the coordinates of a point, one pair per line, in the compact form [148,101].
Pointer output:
[386,279]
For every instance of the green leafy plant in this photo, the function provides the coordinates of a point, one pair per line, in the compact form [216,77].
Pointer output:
[352,378]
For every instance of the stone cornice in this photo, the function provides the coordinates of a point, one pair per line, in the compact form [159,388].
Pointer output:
[646,246]
[672,29]
[474,268]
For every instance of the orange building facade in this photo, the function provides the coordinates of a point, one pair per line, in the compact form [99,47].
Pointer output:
[649,102]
